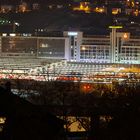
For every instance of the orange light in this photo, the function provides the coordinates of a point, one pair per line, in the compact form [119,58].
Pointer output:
[125,36]
[85,87]
[115,11]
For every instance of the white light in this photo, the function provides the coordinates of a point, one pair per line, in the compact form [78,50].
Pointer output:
[72,33]
[121,68]
[16,23]
[44,45]
[12,34]
[4,34]
[24,34]
[83,48]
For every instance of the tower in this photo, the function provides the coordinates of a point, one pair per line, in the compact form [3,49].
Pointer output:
[75,42]
[116,41]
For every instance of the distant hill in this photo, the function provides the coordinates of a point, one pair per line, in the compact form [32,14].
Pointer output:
[60,20]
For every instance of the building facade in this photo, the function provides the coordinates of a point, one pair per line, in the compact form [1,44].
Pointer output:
[117,47]
[35,47]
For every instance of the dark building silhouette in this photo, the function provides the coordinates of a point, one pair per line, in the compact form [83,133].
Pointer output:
[23,120]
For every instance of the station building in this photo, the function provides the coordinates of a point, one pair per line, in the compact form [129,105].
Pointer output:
[116,47]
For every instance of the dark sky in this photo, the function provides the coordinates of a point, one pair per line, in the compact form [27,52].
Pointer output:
[30,1]
[17,1]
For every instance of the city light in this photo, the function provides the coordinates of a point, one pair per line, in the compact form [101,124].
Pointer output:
[72,33]
[16,23]
[79,75]
[115,27]
[83,48]
[125,36]
[12,34]
[2,120]
[4,34]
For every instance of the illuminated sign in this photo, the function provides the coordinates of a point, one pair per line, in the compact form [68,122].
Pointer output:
[72,33]
[115,27]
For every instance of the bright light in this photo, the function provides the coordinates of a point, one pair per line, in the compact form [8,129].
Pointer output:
[44,45]
[81,7]
[24,34]
[99,9]
[16,23]
[121,68]
[125,36]
[115,27]
[4,34]
[72,33]
[12,34]
[83,48]
[115,11]
[2,120]
[84,6]
[132,22]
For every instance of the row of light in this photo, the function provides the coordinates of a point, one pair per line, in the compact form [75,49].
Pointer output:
[5,22]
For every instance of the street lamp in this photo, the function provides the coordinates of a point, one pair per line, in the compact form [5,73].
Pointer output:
[14,26]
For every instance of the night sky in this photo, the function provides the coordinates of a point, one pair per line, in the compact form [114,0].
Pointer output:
[31,1]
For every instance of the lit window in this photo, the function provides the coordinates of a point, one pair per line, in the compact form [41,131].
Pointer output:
[2,120]
[83,48]
[125,36]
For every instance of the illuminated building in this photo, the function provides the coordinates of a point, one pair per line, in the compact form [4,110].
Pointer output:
[101,9]
[6,8]
[19,46]
[84,6]
[36,6]
[116,11]
[117,47]
[23,7]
